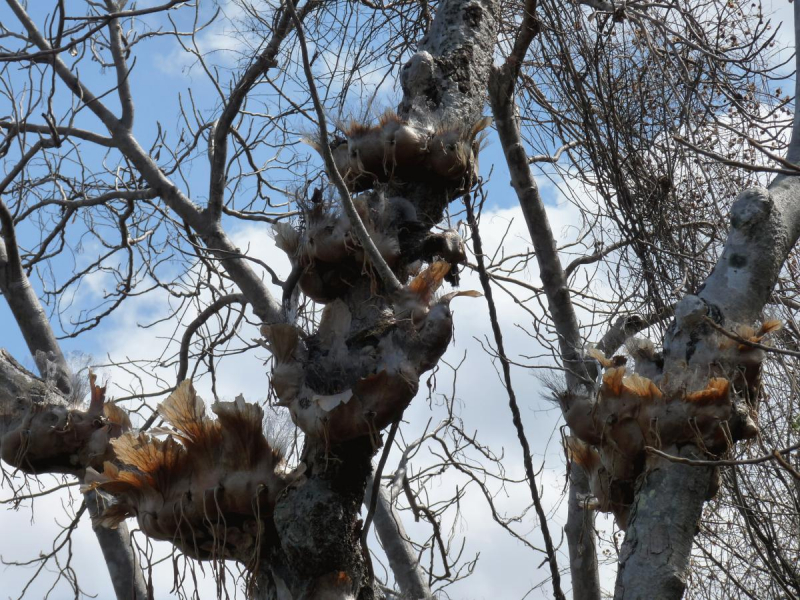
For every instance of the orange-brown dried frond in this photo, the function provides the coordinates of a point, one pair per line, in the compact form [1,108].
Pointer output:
[582,454]
[612,381]
[465,293]
[600,357]
[239,414]
[354,128]
[282,339]
[643,387]
[97,397]
[145,453]
[427,282]
[480,125]
[92,479]
[185,411]
[769,326]
[127,482]
[716,392]
[242,430]
[162,463]
[389,116]
[744,331]
[114,414]
[118,481]
[171,461]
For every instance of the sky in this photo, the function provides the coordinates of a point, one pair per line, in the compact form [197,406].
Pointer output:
[29,530]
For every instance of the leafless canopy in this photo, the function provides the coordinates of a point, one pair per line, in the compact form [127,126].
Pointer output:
[350,132]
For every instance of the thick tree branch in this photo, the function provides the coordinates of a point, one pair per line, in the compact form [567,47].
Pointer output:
[22,299]
[554,282]
[627,326]
[208,312]
[403,560]
[579,529]
[581,538]
[63,131]
[123,72]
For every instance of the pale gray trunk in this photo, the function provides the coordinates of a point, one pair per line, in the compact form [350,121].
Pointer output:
[581,538]
[580,519]
[403,560]
[121,559]
[765,225]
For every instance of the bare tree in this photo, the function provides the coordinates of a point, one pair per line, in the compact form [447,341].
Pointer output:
[656,115]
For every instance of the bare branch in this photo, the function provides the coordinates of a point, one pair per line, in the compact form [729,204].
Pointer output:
[389,279]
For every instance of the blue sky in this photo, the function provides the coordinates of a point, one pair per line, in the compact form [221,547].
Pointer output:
[160,76]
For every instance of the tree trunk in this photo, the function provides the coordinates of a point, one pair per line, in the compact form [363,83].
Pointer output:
[765,225]
[403,560]
[581,538]
[655,556]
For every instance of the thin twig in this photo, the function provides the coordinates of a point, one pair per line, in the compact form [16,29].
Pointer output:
[722,463]
[393,285]
[554,158]
[512,399]
[750,343]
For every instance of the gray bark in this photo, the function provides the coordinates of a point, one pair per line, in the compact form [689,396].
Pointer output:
[35,328]
[658,544]
[581,538]
[22,300]
[18,384]
[580,519]
[554,282]
[121,559]
[20,391]
[445,81]
[765,225]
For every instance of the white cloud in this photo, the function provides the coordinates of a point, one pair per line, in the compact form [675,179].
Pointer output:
[483,409]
